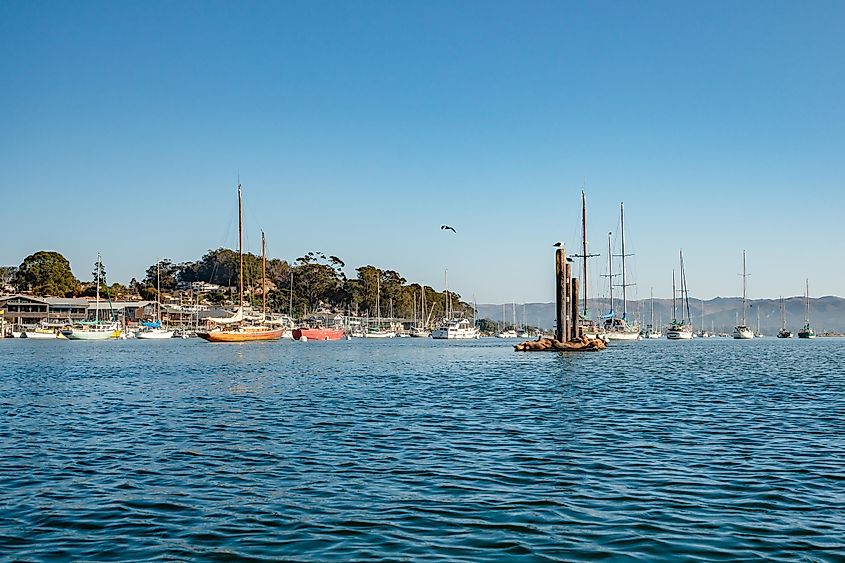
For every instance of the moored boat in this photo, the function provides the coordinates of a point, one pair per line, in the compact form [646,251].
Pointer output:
[807,330]
[742,331]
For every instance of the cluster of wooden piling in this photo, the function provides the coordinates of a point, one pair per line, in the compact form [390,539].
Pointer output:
[568,333]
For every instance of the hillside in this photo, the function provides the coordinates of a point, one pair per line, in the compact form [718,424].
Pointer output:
[719,314]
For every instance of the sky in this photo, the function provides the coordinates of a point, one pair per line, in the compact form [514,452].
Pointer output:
[359,128]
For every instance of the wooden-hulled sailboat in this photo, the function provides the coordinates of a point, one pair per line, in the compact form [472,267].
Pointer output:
[236,328]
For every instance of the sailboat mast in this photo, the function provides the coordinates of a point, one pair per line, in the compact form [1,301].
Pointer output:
[263,275]
[448,300]
[240,247]
[158,291]
[99,266]
[584,255]
[624,285]
[744,297]
[807,299]
[652,308]
[674,297]
[610,268]
[685,291]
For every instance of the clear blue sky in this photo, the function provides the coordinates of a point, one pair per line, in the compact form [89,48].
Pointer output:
[359,128]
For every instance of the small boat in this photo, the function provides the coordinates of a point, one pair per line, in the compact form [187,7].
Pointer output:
[419,332]
[783,333]
[153,330]
[742,331]
[455,328]
[680,329]
[45,330]
[96,329]
[510,333]
[317,332]
[618,328]
[807,330]
[651,330]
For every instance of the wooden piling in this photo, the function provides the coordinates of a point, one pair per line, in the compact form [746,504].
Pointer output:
[560,294]
[573,301]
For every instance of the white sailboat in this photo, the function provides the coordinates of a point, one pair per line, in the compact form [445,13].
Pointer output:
[680,329]
[741,330]
[96,329]
[378,331]
[618,328]
[153,330]
[509,332]
[652,331]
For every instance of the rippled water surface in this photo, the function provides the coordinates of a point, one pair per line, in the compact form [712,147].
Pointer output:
[422,450]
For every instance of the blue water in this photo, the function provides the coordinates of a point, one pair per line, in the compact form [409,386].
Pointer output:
[419,450]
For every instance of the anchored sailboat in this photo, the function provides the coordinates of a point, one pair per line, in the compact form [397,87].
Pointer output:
[741,331]
[96,329]
[618,328]
[153,330]
[680,329]
[807,330]
[234,328]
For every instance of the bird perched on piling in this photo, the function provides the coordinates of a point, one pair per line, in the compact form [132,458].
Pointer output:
[448,228]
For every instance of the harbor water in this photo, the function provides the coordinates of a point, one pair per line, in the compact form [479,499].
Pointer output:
[420,450]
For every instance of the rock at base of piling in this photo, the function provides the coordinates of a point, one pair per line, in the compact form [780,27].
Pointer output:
[583,344]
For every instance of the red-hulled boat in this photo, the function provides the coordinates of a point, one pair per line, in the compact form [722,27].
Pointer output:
[317,333]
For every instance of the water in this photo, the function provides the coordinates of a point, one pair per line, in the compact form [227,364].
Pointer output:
[422,450]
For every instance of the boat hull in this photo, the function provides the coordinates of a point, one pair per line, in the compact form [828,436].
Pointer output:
[39,335]
[679,334]
[623,335]
[154,334]
[91,335]
[743,333]
[241,335]
[317,333]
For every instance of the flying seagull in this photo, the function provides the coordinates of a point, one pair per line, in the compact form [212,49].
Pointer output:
[448,228]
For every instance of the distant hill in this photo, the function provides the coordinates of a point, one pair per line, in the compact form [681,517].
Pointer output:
[720,314]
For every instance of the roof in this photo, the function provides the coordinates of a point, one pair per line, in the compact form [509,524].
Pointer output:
[6,298]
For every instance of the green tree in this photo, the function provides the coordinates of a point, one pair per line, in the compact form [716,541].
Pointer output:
[46,273]
[169,274]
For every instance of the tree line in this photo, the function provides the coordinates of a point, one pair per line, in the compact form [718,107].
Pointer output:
[312,282]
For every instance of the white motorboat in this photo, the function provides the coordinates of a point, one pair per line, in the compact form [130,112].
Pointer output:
[455,328]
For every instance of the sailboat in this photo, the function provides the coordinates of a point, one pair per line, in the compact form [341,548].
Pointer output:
[153,330]
[508,332]
[96,329]
[617,328]
[420,328]
[454,326]
[783,333]
[806,330]
[680,329]
[378,331]
[652,331]
[741,331]
[236,328]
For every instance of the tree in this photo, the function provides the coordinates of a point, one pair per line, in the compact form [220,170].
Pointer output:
[7,276]
[169,274]
[318,279]
[46,273]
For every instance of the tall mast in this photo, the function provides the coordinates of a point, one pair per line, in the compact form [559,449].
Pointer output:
[744,299]
[807,299]
[99,262]
[240,246]
[584,255]
[158,291]
[610,270]
[652,308]
[685,291]
[782,315]
[624,288]
[448,300]
[290,297]
[263,275]
[674,296]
